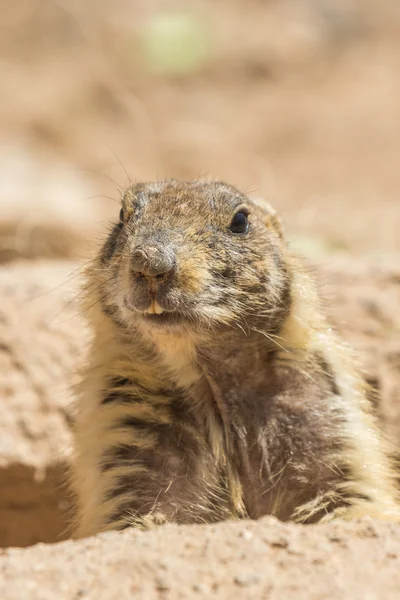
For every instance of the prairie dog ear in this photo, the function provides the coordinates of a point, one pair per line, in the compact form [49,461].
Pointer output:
[272,218]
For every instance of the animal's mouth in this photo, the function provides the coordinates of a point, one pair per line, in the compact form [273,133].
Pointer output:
[157,315]
[165,318]
[155,308]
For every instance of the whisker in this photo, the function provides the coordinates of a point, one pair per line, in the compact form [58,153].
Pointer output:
[117,186]
[58,286]
[122,166]
[270,339]
[81,313]
[103,196]
[80,297]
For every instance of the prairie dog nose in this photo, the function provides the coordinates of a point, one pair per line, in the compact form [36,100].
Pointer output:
[152,261]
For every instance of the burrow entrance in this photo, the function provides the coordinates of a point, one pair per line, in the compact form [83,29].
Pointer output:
[33,509]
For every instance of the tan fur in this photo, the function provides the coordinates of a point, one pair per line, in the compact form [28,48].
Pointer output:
[367,451]
[167,409]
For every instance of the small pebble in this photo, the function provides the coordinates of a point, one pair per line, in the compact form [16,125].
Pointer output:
[334,537]
[279,543]
[162,583]
[246,579]
[201,588]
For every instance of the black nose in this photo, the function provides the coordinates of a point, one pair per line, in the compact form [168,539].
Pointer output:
[152,261]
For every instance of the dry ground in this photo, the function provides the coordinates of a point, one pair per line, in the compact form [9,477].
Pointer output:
[295,100]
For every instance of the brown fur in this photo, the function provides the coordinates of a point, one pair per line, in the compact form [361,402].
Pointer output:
[246,404]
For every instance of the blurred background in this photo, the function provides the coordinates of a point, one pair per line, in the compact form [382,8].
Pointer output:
[294,100]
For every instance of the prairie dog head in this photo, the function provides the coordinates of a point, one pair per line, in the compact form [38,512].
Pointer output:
[196,256]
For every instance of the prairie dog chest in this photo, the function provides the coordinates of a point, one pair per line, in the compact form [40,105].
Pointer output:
[177,353]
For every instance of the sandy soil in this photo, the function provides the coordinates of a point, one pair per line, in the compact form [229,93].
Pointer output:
[265,559]
[293,100]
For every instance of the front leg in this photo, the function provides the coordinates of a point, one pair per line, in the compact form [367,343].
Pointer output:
[141,461]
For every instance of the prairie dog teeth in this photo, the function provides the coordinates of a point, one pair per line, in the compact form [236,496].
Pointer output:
[152,310]
[157,308]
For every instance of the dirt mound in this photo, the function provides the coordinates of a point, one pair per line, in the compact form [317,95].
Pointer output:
[264,559]
[38,351]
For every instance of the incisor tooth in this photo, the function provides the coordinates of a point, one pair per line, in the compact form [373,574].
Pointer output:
[157,308]
[152,308]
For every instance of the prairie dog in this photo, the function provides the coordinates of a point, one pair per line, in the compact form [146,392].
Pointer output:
[215,388]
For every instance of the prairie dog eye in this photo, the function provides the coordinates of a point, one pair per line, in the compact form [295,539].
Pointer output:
[121,215]
[240,223]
